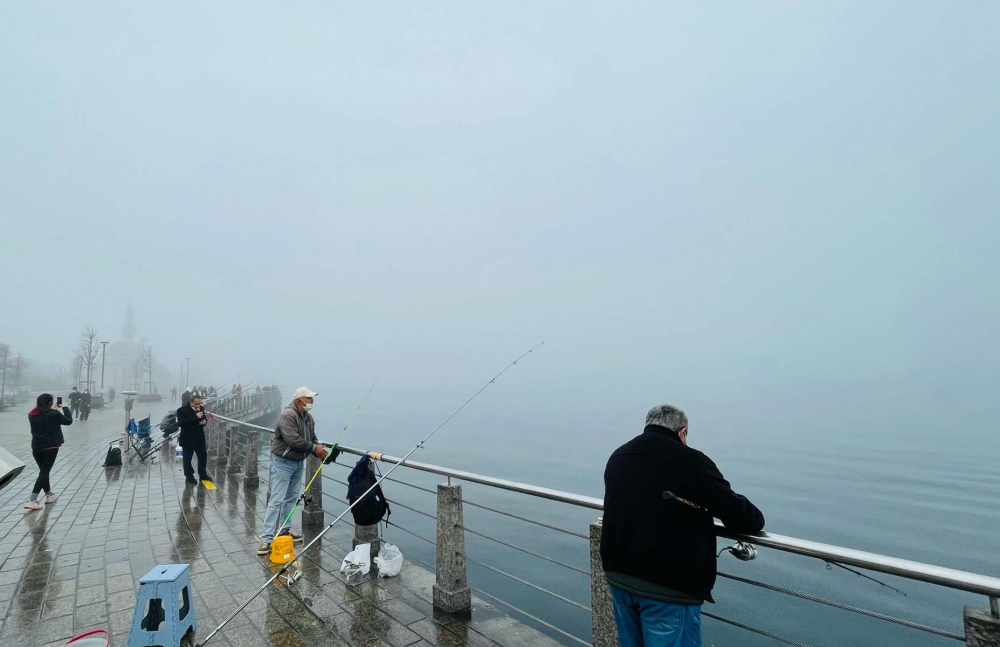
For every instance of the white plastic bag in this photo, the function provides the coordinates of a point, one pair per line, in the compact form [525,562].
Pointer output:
[389,561]
[357,564]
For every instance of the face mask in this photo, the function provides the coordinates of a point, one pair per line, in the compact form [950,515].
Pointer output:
[308,406]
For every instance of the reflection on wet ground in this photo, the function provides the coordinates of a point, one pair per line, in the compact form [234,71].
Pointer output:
[75,565]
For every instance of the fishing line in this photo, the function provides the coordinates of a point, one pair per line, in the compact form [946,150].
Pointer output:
[867,577]
[419,445]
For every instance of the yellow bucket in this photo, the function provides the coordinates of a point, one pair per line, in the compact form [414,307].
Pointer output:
[282,551]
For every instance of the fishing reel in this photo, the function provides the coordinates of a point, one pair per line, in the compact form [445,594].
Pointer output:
[294,574]
[741,550]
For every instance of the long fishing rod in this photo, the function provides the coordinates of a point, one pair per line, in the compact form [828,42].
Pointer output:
[329,459]
[419,445]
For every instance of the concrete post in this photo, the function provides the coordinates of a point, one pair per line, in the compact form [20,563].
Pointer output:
[368,535]
[451,589]
[312,511]
[251,478]
[603,616]
[234,449]
[982,629]
[222,438]
[211,432]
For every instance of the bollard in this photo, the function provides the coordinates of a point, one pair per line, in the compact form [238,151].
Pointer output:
[982,628]
[605,634]
[251,478]
[234,449]
[368,535]
[451,588]
[312,512]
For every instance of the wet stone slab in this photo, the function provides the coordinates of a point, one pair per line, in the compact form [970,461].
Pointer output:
[75,565]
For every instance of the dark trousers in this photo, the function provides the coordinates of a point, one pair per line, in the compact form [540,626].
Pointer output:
[75,409]
[85,412]
[195,447]
[45,458]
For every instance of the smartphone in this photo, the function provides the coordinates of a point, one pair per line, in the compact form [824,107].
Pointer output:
[59,401]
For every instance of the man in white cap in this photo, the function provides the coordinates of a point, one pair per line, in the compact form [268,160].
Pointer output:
[294,439]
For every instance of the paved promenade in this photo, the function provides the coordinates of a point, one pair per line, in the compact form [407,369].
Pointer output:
[76,564]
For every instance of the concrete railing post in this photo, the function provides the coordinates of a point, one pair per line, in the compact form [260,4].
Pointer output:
[234,449]
[211,432]
[222,439]
[312,511]
[251,478]
[605,634]
[368,535]
[451,589]
[982,628]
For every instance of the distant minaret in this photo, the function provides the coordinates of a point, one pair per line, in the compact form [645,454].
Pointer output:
[129,328]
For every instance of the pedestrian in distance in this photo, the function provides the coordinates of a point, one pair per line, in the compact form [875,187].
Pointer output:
[192,419]
[658,541]
[173,394]
[186,397]
[294,439]
[111,395]
[74,402]
[46,422]
[85,400]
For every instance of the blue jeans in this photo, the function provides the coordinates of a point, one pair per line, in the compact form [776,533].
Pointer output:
[643,622]
[285,479]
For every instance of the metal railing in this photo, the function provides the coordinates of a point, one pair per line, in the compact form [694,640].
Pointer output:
[947,577]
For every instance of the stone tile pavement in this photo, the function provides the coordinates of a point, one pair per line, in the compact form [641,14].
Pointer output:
[75,565]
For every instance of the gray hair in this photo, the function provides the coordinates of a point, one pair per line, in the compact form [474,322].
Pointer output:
[667,416]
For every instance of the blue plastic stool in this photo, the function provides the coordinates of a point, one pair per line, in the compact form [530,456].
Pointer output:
[164,609]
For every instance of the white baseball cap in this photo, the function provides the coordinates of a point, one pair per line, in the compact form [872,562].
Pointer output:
[304,392]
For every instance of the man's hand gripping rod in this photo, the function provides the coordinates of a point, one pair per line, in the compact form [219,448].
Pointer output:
[305,548]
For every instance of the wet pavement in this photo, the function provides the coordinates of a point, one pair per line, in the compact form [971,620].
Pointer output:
[75,565]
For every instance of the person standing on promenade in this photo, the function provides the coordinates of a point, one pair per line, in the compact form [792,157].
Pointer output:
[111,395]
[85,405]
[294,439]
[74,402]
[46,423]
[186,397]
[192,419]
[173,394]
[658,535]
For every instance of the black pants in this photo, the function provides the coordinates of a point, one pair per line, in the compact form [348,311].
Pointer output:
[195,447]
[45,458]
[85,412]
[75,409]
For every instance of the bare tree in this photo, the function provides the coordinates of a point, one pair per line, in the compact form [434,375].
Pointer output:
[76,366]
[17,368]
[148,362]
[87,349]
[4,354]
[137,366]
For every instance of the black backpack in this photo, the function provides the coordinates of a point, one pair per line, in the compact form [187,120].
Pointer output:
[114,458]
[373,506]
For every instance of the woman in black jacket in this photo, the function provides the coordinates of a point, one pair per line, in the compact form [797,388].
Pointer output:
[46,437]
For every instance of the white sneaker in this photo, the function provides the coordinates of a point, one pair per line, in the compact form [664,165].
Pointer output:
[33,505]
[50,498]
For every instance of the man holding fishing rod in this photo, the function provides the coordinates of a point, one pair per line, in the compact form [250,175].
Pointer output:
[294,440]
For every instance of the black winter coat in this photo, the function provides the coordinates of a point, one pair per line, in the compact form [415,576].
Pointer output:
[46,427]
[663,540]
[192,429]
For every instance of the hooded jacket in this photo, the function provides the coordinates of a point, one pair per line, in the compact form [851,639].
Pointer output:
[294,435]
[660,539]
[46,426]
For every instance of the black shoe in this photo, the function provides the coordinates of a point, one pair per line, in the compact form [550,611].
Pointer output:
[190,481]
[207,478]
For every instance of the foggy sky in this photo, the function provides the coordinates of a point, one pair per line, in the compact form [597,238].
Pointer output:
[771,214]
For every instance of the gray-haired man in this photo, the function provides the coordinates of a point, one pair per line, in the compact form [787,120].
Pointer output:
[294,439]
[658,537]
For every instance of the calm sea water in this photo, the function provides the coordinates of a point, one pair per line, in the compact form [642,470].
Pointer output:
[905,488]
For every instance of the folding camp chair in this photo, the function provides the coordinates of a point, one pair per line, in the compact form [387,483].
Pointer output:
[139,440]
[168,426]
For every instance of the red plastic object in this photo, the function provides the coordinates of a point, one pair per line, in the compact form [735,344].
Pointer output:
[95,638]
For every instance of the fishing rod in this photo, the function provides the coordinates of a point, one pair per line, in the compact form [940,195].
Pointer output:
[329,459]
[315,539]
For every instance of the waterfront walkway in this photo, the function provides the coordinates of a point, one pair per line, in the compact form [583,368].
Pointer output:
[75,565]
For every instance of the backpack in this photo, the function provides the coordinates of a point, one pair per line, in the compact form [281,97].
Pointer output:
[372,507]
[114,458]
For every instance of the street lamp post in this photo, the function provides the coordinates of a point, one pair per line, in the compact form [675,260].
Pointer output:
[189,371]
[104,354]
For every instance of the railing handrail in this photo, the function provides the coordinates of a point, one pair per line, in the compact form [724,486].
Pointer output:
[942,576]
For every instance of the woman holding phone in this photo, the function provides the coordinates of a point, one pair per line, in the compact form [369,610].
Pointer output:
[46,436]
